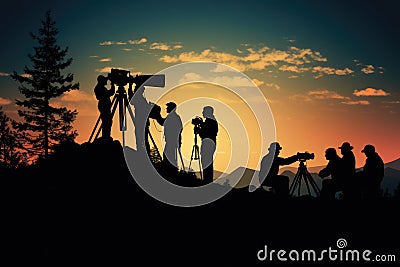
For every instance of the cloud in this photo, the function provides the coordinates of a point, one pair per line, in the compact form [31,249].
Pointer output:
[84,102]
[108,69]
[293,68]
[258,82]
[4,74]
[107,59]
[225,80]
[301,98]
[325,94]
[273,85]
[190,77]
[293,77]
[5,101]
[392,102]
[107,43]
[360,102]
[294,59]
[127,49]
[370,92]
[369,69]
[318,95]
[93,56]
[164,46]
[321,71]
[140,41]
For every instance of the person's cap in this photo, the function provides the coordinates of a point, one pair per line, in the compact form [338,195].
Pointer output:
[171,104]
[368,148]
[275,145]
[346,146]
[101,78]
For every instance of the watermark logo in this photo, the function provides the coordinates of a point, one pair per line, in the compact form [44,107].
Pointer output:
[333,254]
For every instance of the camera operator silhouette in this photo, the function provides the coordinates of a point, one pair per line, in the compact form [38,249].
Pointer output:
[348,164]
[172,135]
[104,105]
[335,170]
[279,183]
[371,176]
[208,131]
[142,109]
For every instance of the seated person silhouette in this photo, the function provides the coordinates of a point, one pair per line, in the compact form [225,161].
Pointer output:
[270,177]
[371,176]
[104,105]
[335,170]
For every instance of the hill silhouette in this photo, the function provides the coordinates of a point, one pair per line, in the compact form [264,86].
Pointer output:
[395,164]
[83,205]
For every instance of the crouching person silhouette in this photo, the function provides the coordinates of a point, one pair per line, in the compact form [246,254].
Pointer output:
[270,177]
[335,170]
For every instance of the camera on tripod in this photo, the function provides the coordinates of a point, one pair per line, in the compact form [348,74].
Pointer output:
[303,156]
[124,77]
[197,121]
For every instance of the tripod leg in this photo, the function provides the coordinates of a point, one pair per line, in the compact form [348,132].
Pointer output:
[158,156]
[314,185]
[306,178]
[198,157]
[191,157]
[94,129]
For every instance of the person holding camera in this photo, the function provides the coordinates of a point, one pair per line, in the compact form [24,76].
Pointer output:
[104,105]
[269,176]
[208,130]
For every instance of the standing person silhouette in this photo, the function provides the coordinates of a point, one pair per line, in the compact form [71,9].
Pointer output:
[335,170]
[371,176]
[270,177]
[208,131]
[104,105]
[172,135]
[348,165]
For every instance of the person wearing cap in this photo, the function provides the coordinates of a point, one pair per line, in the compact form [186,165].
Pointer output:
[104,105]
[269,169]
[372,174]
[172,136]
[348,165]
[335,170]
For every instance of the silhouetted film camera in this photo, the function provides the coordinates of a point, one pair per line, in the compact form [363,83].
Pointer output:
[124,77]
[305,156]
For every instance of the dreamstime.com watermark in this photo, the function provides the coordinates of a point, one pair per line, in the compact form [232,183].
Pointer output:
[334,254]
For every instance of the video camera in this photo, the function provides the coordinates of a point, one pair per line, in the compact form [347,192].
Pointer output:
[123,77]
[197,121]
[305,156]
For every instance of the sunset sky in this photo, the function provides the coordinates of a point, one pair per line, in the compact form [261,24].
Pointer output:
[329,69]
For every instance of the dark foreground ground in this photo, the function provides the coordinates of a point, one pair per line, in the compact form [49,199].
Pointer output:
[83,208]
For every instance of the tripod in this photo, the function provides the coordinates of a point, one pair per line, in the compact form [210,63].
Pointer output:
[121,100]
[196,154]
[303,173]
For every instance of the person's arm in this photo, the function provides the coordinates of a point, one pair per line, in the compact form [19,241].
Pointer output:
[111,92]
[325,171]
[289,160]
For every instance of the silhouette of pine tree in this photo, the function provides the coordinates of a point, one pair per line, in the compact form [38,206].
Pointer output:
[43,125]
[11,154]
